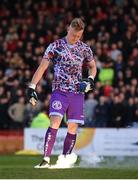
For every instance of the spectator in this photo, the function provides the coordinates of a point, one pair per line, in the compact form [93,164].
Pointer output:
[117,112]
[101,113]
[4,117]
[41,120]
[89,108]
[106,74]
[16,113]
[115,52]
[130,113]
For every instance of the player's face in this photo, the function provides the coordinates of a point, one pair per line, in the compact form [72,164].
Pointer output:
[73,36]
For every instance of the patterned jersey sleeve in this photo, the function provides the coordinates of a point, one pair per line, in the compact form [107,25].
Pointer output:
[49,52]
[88,54]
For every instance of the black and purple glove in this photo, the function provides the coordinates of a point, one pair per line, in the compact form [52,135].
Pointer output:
[87,84]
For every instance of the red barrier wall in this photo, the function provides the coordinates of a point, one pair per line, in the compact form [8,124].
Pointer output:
[11,141]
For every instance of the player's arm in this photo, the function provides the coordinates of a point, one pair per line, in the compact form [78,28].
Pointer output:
[40,71]
[31,93]
[92,69]
[88,84]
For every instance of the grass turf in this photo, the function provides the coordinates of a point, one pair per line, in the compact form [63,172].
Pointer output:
[21,167]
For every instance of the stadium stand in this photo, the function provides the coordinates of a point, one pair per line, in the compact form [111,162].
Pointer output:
[27,27]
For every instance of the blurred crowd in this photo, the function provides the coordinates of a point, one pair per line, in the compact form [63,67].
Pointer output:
[27,27]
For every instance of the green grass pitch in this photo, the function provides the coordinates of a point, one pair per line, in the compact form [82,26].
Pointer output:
[21,167]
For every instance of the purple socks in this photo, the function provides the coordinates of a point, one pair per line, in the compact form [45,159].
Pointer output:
[49,141]
[50,138]
[69,143]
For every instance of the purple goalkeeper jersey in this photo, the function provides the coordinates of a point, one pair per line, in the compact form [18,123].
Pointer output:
[68,60]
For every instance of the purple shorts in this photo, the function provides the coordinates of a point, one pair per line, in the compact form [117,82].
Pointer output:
[69,103]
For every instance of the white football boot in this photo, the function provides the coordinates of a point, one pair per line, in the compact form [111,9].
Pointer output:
[65,161]
[44,164]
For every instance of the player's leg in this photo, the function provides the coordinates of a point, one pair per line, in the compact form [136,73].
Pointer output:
[58,106]
[70,138]
[51,135]
[50,138]
[75,117]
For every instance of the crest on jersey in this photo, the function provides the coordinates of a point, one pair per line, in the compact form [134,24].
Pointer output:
[56,105]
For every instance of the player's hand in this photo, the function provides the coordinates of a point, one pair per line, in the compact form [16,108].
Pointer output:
[87,85]
[32,96]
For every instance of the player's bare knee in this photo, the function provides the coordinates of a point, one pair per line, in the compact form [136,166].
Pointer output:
[72,128]
[55,122]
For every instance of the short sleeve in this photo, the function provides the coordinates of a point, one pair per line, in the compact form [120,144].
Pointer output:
[49,52]
[88,54]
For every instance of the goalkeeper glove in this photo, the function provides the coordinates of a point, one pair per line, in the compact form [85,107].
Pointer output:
[32,95]
[87,84]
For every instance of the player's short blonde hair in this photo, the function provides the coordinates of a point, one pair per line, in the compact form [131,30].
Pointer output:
[77,24]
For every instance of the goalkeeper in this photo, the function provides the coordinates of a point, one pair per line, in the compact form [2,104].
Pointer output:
[67,55]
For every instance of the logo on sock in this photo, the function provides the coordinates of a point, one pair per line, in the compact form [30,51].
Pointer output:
[56,105]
